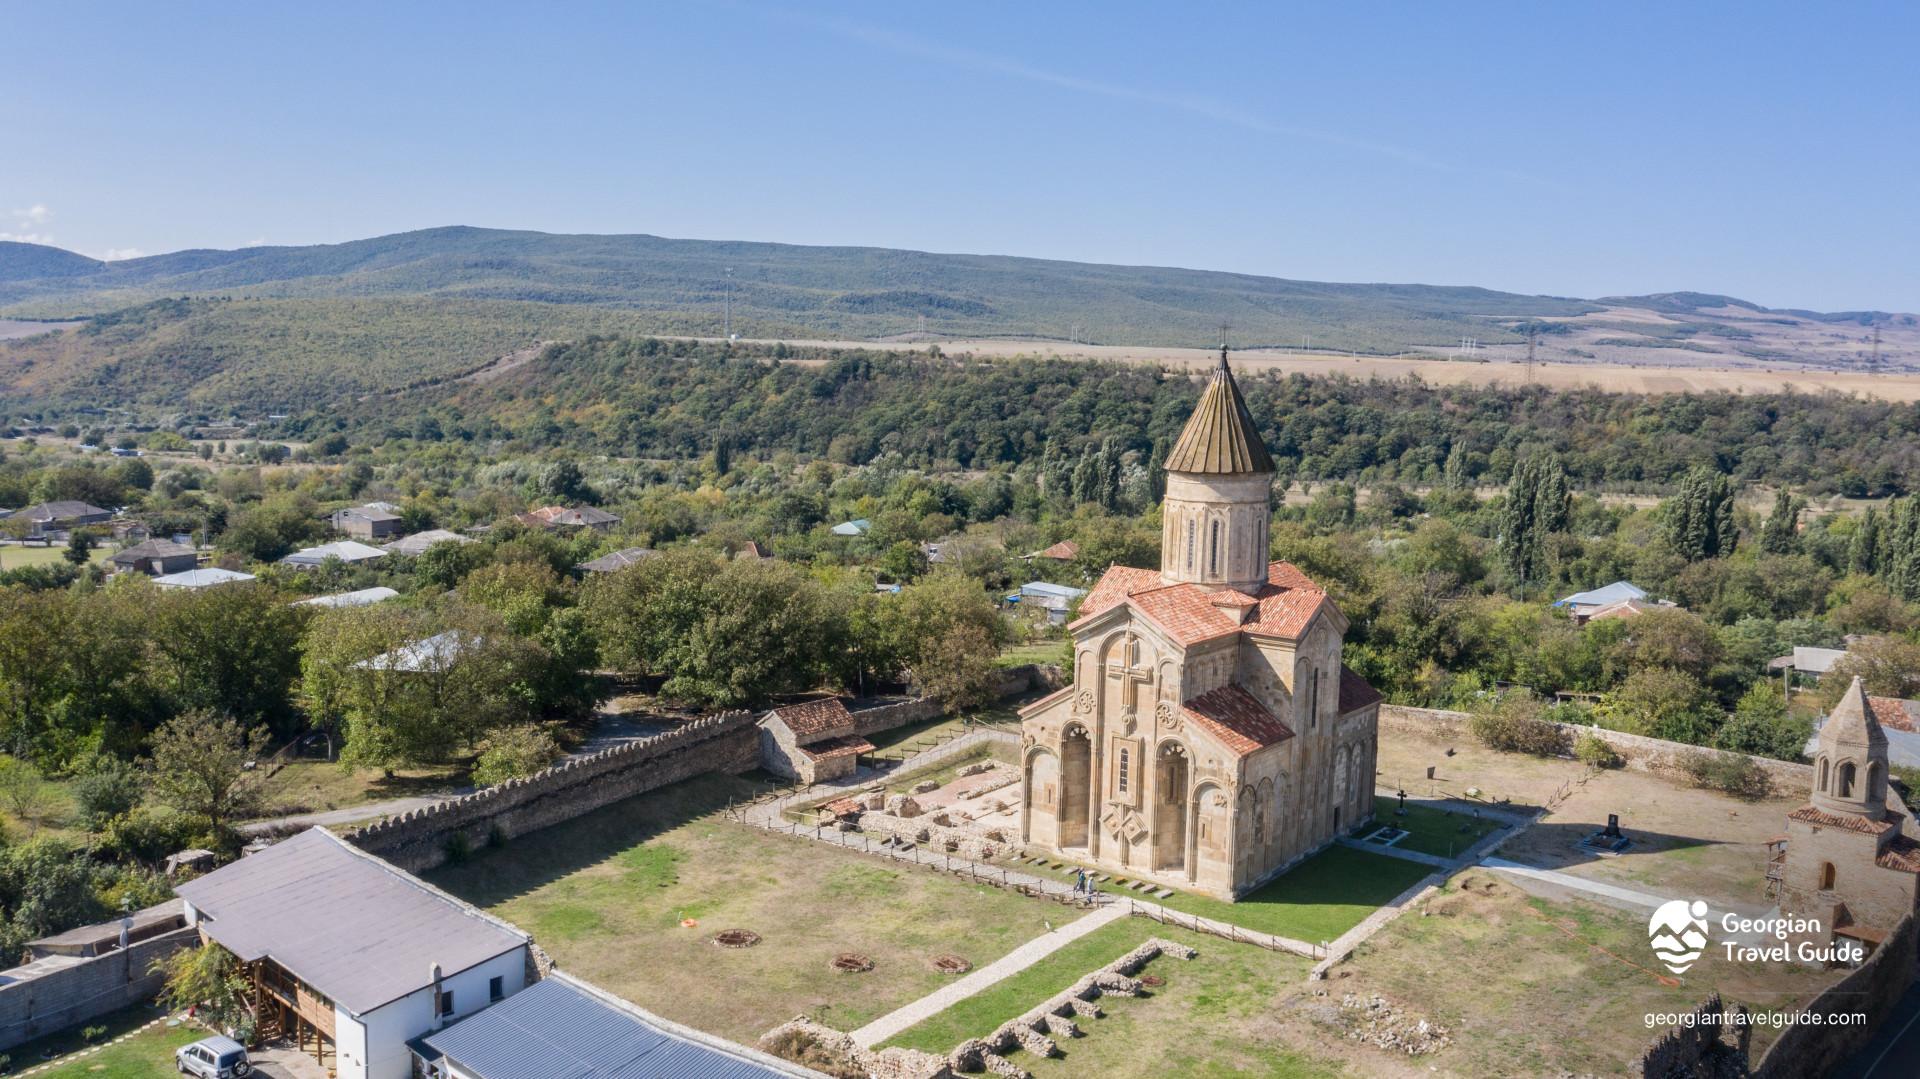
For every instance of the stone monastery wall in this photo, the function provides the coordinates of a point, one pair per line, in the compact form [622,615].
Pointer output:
[422,839]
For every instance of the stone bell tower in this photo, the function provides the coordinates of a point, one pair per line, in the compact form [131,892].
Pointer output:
[1216,518]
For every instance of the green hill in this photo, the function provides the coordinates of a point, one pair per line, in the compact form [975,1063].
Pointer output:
[846,291]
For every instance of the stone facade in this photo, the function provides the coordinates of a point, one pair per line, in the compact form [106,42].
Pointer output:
[1211,736]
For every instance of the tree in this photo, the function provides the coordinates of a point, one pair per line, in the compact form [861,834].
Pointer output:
[199,765]
[723,633]
[1699,519]
[1662,703]
[1538,505]
[108,788]
[79,547]
[957,668]
[1761,724]
[1781,533]
[211,978]
[513,752]
[26,793]
[232,650]
[1886,666]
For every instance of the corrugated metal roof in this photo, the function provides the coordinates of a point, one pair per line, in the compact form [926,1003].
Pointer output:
[561,1029]
[348,924]
[1220,438]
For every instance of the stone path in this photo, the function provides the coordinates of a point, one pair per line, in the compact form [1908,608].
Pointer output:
[349,815]
[1642,900]
[993,973]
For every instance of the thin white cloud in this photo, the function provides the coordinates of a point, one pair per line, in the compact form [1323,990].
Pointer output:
[1201,105]
[256,242]
[115,254]
[27,237]
[37,214]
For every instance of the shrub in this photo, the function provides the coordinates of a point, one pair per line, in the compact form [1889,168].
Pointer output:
[1512,724]
[146,836]
[1906,780]
[109,788]
[1728,773]
[1594,752]
[515,752]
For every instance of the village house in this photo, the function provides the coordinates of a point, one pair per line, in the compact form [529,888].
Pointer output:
[620,559]
[569,517]
[155,557]
[1060,553]
[373,521]
[53,520]
[348,551]
[1211,736]
[857,527]
[811,742]
[561,1026]
[420,542]
[364,597]
[349,957]
[1584,605]
[1850,859]
[204,577]
[1046,600]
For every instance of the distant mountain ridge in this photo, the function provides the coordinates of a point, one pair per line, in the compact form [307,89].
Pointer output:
[845,290]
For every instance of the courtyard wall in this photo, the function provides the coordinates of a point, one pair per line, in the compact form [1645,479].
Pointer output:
[1654,755]
[59,991]
[1810,1048]
[423,839]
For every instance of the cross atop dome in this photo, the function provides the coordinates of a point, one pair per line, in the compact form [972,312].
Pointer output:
[1220,438]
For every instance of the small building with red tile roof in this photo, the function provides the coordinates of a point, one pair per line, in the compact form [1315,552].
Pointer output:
[1064,551]
[812,741]
[1211,736]
[1850,861]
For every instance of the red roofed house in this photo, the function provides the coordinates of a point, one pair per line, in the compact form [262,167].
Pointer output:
[1211,736]
[812,742]
[1850,859]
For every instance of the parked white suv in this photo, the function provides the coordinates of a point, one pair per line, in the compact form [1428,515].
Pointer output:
[213,1058]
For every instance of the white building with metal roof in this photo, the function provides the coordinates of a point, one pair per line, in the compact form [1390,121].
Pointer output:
[351,954]
[563,1028]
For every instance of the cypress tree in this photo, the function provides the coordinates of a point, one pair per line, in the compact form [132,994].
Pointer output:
[1781,533]
[1699,519]
[1538,504]
[1863,553]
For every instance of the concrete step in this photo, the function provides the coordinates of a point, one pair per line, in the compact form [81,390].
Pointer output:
[1163,893]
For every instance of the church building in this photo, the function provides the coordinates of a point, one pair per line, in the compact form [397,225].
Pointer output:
[1211,736]
[1849,860]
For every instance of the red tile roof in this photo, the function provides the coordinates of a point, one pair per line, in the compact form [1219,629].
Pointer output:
[1894,713]
[1190,614]
[1064,551]
[847,746]
[810,720]
[1851,822]
[1355,692]
[1902,854]
[1237,718]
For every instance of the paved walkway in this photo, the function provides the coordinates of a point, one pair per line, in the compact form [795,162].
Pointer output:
[997,971]
[349,815]
[1646,901]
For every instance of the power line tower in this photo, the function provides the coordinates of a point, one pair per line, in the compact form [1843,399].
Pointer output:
[1532,331]
[727,320]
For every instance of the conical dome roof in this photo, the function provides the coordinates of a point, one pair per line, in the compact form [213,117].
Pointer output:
[1851,723]
[1220,438]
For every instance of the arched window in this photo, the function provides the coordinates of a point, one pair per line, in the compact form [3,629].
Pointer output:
[1846,780]
[1190,544]
[1213,550]
[1822,784]
[1826,876]
[1874,783]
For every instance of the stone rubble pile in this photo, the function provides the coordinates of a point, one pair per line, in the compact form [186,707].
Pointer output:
[1379,1022]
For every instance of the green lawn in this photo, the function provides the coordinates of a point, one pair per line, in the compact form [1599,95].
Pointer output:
[1433,831]
[902,742]
[1042,651]
[147,1053]
[606,894]
[313,785]
[1317,900]
[13,556]
[1205,1020]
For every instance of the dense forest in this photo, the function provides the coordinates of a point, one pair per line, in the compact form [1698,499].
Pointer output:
[672,399]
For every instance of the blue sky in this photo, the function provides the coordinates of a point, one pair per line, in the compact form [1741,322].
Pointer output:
[1762,150]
